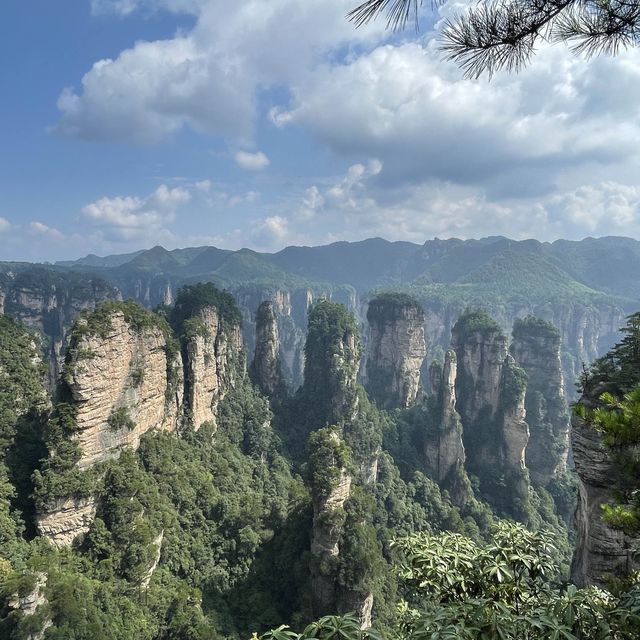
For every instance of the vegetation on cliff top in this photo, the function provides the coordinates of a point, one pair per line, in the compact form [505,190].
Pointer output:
[388,306]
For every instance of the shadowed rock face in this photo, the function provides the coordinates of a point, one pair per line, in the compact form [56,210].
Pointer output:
[265,371]
[491,392]
[444,450]
[48,303]
[536,348]
[600,550]
[396,350]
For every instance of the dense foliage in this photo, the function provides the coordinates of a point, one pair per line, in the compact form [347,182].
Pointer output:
[216,533]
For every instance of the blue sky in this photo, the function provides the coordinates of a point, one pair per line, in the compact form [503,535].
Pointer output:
[127,123]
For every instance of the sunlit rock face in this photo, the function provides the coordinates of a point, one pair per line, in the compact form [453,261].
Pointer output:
[121,372]
[214,363]
[396,350]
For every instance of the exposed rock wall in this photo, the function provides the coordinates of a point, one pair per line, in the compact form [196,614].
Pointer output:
[586,332]
[444,449]
[265,371]
[66,519]
[48,302]
[396,350]
[600,551]
[214,362]
[491,401]
[29,604]
[536,348]
[120,388]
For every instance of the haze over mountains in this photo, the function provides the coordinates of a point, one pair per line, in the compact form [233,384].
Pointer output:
[585,288]
[586,267]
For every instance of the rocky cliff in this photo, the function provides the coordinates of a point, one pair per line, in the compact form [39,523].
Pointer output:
[443,447]
[266,371]
[600,551]
[396,350]
[214,362]
[125,375]
[332,359]
[343,455]
[48,302]
[586,331]
[121,379]
[117,375]
[536,348]
[491,402]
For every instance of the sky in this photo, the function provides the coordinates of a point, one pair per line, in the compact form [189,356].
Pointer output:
[265,123]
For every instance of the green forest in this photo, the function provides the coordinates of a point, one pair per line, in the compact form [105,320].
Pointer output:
[298,516]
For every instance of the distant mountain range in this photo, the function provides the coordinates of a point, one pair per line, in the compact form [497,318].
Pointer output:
[496,266]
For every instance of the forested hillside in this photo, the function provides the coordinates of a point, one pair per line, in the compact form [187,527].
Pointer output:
[171,482]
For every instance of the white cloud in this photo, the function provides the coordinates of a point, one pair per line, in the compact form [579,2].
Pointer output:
[5,225]
[404,105]
[251,161]
[207,78]
[130,217]
[272,233]
[41,229]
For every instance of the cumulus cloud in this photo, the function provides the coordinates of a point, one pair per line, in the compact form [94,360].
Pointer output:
[41,229]
[251,161]
[207,78]
[404,105]
[130,217]
[272,232]
[5,225]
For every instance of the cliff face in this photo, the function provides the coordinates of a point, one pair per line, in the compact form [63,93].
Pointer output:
[444,449]
[600,550]
[536,348]
[119,386]
[396,350]
[586,332]
[48,303]
[214,362]
[328,520]
[491,402]
[332,360]
[265,371]
[123,380]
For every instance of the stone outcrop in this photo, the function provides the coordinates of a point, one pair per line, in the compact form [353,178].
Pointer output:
[119,385]
[332,362]
[536,348]
[601,551]
[328,521]
[157,543]
[214,362]
[586,331]
[122,381]
[491,392]
[396,350]
[29,603]
[265,371]
[444,449]
[65,519]
[48,302]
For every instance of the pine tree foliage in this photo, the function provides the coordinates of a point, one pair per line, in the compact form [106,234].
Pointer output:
[504,34]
